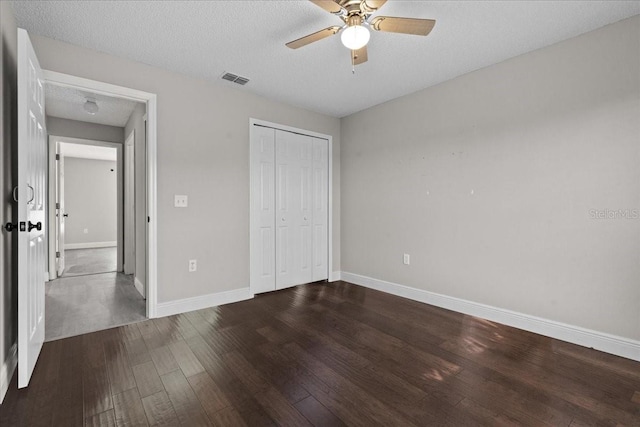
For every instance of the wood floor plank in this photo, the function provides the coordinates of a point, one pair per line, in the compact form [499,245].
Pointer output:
[68,408]
[130,332]
[242,369]
[137,351]
[232,387]
[96,394]
[159,410]
[185,358]
[118,367]
[128,409]
[103,419]
[279,409]
[317,414]
[147,328]
[323,354]
[187,406]
[380,412]
[163,360]
[211,397]
[228,417]
[147,379]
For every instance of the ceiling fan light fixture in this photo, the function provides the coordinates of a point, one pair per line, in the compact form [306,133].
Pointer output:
[90,106]
[355,37]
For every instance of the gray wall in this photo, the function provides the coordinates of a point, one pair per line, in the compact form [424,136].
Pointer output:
[90,195]
[488,182]
[136,123]
[75,129]
[8,141]
[203,152]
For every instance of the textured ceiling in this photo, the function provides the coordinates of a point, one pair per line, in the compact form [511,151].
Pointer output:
[247,38]
[68,103]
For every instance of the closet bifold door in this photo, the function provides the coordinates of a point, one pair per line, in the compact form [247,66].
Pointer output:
[262,252]
[320,191]
[294,220]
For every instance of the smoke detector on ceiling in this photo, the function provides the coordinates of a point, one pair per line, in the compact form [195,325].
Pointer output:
[90,106]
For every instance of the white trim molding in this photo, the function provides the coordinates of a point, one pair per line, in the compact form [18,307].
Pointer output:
[7,370]
[205,301]
[139,286]
[335,276]
[612,344]
[90,245]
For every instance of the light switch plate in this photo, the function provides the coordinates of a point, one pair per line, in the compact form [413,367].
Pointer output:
[180,201]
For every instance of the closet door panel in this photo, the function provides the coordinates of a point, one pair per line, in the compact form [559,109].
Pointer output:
[262,243]
[320,215]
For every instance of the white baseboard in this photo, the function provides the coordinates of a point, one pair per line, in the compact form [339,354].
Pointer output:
[574,334]
[90,245]
[334,276]
[139,287]
[204,301]
[6,372]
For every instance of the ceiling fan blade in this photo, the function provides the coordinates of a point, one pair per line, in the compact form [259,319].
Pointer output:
[390,24]
[359,56]
[374,5]
[328,5]
[319,35]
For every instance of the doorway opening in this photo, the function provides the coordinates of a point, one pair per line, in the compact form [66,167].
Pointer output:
[86,192]
[101,264]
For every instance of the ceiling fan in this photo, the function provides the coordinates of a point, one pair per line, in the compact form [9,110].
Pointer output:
[357,17]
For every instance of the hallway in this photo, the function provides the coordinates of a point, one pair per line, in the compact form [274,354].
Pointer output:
[79,262]
[82,304]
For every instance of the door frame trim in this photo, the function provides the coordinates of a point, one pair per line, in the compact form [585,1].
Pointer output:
[151,101]
[53,149]
[329,138]
[129,193]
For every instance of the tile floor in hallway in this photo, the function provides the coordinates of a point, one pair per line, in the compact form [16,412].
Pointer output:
[79,262]
[81,304]
[90,296]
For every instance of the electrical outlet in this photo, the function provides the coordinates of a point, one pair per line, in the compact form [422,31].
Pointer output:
[180,201]
[406,259]
[193,265]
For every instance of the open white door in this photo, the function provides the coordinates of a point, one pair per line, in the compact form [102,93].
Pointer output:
[129,205]
[32,166]
[61,213]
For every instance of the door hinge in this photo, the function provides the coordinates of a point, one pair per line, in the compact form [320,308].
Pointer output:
[148,219]
[57,205]
[57,254]
[57,156]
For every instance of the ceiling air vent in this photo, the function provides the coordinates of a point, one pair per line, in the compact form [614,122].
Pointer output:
[235,79]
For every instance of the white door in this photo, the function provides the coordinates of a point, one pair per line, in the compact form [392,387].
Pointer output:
[320,190]
[289,209]
[293,209]
[32,158]
[129,207]
[61,212]
[262,207]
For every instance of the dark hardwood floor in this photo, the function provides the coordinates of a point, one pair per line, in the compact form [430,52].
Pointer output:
[323,355]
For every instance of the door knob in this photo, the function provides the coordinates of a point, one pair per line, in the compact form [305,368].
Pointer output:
[65,215]
[37,226]
[10,227]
